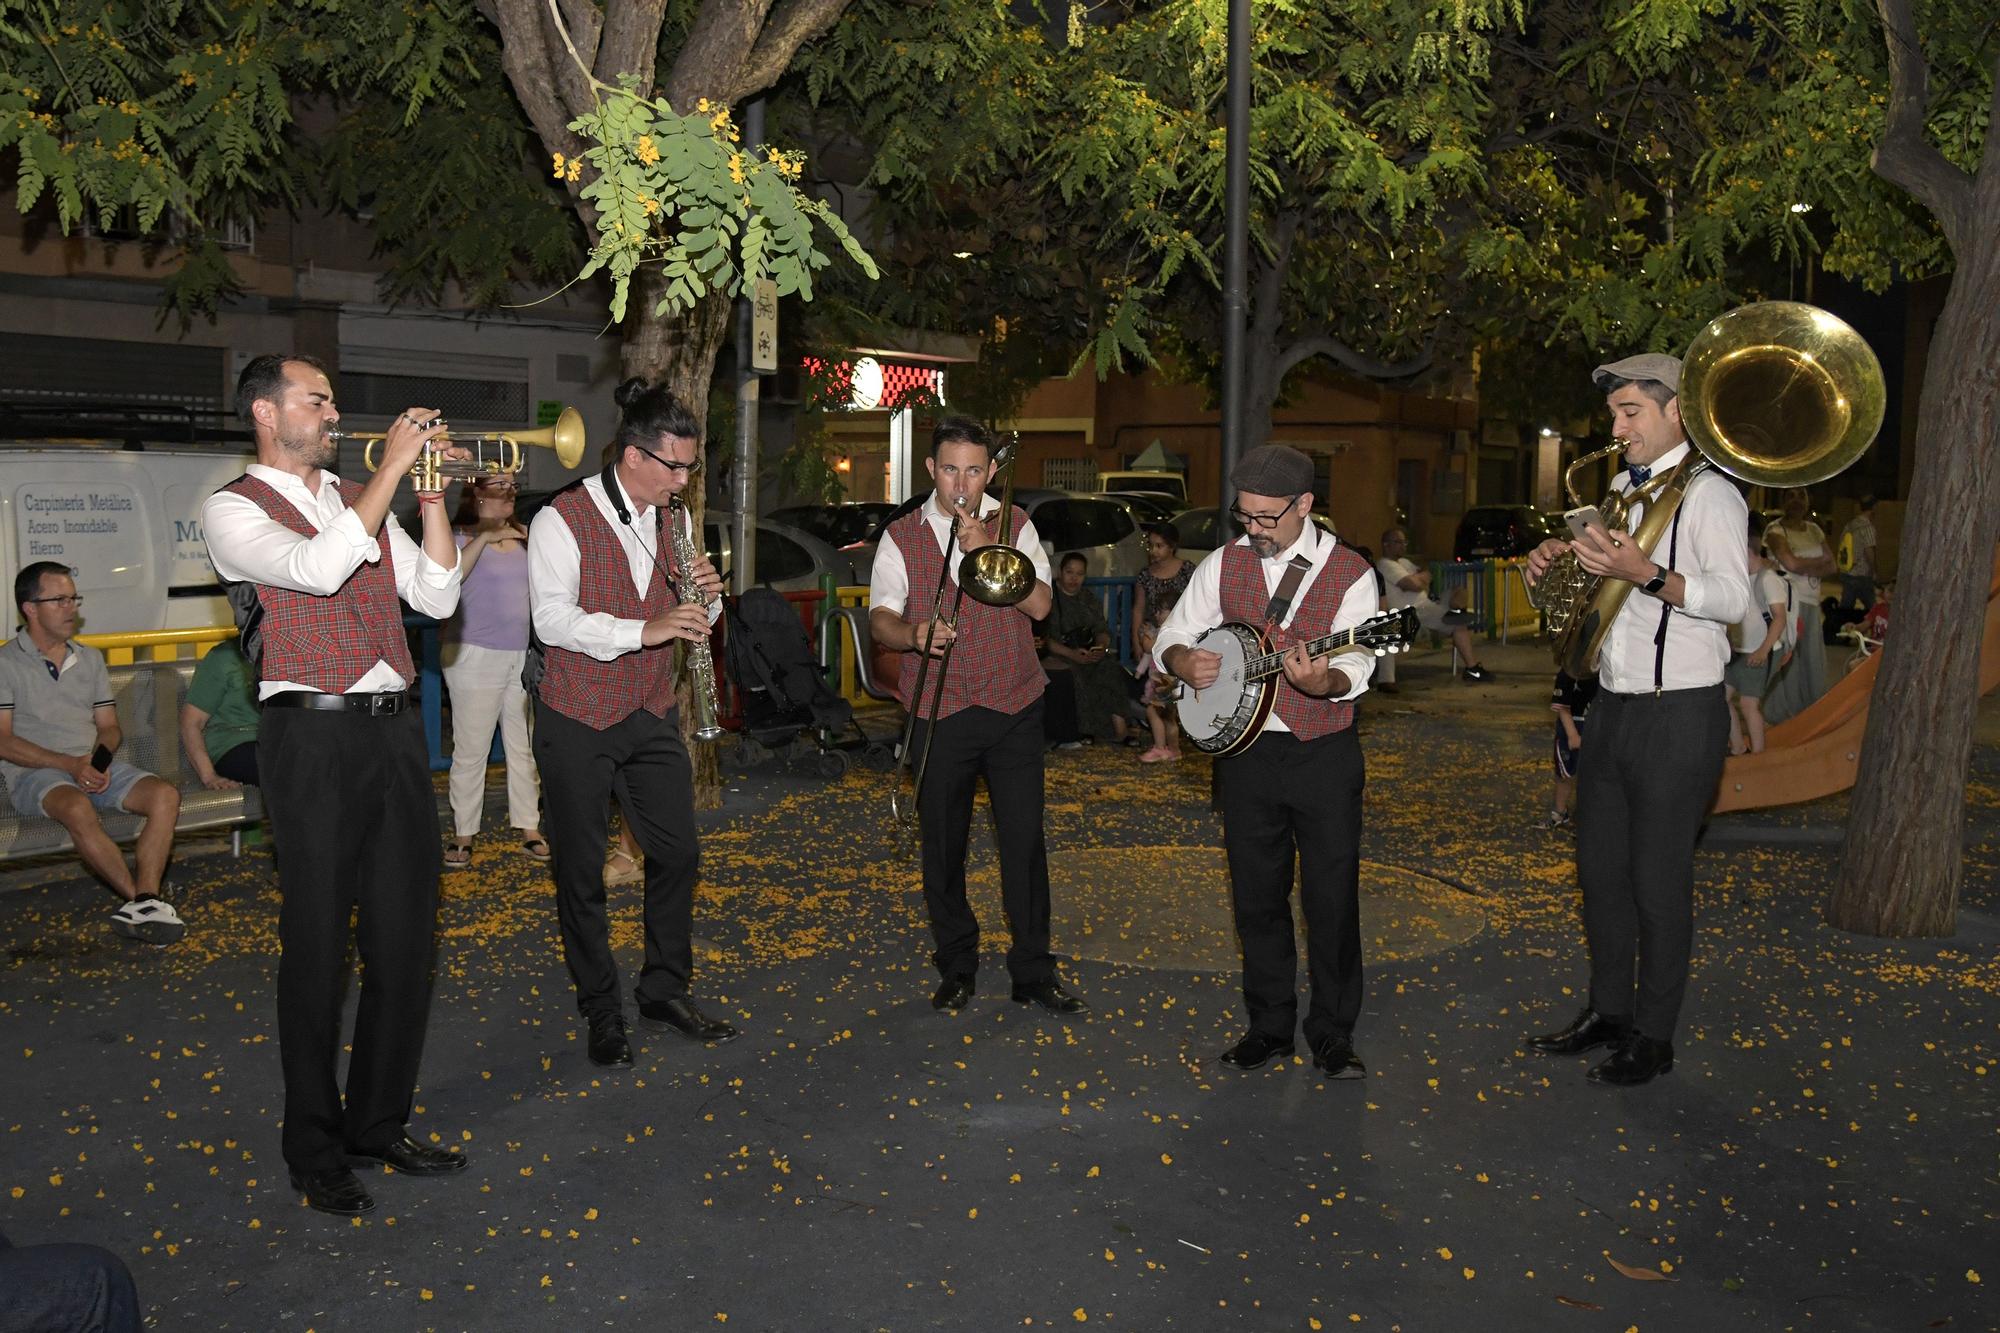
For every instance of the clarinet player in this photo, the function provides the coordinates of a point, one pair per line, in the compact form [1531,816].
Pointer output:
[615,580]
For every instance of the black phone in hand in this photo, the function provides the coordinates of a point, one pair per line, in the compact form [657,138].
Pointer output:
[100,758]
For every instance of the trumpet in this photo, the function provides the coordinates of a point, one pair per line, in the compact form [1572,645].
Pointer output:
[432,469]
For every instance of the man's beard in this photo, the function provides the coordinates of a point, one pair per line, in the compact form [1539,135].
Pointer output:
[314,450]
[1266,547]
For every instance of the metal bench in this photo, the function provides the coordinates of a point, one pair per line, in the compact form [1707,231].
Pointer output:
[148,695]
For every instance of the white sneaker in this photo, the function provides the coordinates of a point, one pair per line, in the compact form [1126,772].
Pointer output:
[151,920]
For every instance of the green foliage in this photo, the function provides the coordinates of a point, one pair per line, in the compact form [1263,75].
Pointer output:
[678,191]
[183,113]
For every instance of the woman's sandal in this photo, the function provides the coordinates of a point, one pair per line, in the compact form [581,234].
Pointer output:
[537,847]
[621,868]
[458,854]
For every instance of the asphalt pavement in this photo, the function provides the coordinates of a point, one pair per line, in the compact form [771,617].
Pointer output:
[1823,1155]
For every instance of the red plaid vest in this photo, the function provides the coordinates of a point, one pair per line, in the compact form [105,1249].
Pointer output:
[1245,598]
[993,665]
[328,643]
[577,685]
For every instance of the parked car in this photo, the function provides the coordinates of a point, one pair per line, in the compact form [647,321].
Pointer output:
[1170,484]
[1199,527]
[788,558]
[1144,506]
[1501,532]
[838,524]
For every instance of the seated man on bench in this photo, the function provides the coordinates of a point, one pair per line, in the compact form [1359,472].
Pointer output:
[58,731]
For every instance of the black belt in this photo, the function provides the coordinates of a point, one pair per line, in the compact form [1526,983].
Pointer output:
[387,704]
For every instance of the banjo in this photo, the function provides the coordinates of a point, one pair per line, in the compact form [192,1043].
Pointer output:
[1229,715]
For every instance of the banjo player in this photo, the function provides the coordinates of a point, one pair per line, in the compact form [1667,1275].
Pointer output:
[1292,799]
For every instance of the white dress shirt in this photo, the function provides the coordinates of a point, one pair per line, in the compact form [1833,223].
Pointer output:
[247,545]
[889,580]
[555,576]
[1200,608]
[1713,561]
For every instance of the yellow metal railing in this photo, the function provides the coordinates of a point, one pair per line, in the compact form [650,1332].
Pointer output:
[1510,611]
[849,686]
[157,645]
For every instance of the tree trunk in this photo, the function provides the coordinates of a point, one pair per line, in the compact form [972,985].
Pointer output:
[679,352]
[1903,856]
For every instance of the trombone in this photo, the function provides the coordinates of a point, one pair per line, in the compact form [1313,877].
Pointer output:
[432,469]
[996,574]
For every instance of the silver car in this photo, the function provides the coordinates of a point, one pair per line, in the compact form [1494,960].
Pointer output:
[787,559]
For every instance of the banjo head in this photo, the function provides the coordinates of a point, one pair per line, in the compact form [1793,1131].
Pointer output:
[1216,718]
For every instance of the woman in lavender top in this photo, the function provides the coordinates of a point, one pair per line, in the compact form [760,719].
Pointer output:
[484,648]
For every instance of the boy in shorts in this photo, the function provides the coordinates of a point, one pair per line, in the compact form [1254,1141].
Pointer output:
[1570,701]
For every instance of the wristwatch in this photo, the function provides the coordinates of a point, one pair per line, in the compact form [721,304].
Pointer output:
[1655,583]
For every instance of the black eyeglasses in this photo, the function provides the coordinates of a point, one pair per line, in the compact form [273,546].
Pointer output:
[1263,522]
[688,468]
[70,599]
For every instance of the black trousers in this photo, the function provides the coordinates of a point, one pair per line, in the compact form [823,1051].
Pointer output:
[355,820]
[239,763]
[1006,750]
[643,762]
[1293,807]
[1644,783]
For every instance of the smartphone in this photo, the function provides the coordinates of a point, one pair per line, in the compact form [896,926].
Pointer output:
[100,758]
[1587,517]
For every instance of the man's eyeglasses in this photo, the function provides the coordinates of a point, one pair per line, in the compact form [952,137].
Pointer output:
[688,468]
[1262,522]
[70,599]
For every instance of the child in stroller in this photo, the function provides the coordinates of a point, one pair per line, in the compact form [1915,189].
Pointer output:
[787,704]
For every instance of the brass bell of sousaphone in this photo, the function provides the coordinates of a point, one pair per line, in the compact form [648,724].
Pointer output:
[1775,394]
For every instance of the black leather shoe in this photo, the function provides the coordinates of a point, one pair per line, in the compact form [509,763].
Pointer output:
[334,1190]
[1256,1050]
[1335,1058]
[953,993]
[681,1016]
[1640,1059]
[1049,995]
[412,1158]
[607,1044]
[1590,1029]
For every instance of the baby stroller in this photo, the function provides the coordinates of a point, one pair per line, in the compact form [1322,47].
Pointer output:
[788,708]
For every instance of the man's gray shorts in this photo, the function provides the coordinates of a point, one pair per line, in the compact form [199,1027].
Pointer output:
[32,786]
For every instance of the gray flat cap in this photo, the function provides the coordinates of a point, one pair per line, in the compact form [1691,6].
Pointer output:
[1274,470]
[1655,366]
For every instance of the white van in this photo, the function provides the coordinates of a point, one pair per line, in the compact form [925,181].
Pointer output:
[128,522]
[1171,484]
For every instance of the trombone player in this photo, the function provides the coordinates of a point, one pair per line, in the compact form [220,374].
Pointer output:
[987,716]
[1658,732]
[316,567]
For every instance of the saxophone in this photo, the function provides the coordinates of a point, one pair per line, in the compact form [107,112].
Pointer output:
[700,657]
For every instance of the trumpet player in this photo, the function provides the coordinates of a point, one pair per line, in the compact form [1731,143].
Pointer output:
[610,595]
[1658,731]
[988,717]
[317,565]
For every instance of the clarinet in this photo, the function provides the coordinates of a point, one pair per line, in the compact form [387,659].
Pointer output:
[700,657]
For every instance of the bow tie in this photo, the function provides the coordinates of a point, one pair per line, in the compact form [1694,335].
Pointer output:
[1637,474]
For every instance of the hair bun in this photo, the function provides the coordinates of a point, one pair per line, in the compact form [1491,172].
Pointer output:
[629,392]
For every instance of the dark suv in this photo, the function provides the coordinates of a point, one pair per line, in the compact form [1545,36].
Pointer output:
[1500,532]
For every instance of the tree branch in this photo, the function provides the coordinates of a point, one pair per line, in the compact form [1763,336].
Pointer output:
[629,42]
[791,25]
[1906,156]
[1304,349]
[530,60]
[711,60]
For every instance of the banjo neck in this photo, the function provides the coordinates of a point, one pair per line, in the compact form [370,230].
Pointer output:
[1266,665]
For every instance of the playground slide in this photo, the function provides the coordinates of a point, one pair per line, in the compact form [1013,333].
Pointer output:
[1815,754]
